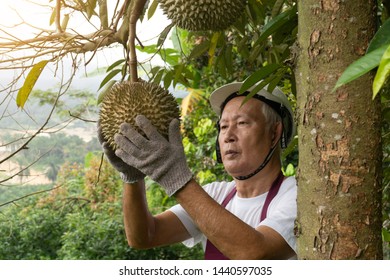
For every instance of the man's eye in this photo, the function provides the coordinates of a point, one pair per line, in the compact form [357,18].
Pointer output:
[223,127]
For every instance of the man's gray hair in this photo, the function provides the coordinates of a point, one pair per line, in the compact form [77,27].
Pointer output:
[271,116]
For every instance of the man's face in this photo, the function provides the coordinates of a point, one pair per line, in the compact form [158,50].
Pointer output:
[244,138]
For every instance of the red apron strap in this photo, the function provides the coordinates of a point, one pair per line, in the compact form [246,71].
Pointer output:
[273,191]
[212,252]
[229,197]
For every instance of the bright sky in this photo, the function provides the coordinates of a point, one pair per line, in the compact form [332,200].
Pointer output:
[13,12]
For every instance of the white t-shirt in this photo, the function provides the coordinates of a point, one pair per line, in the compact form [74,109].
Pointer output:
[281,213]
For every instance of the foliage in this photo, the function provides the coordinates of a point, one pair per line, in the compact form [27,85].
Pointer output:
[101,183]
[378,54]
[212,58]
[29,83]
[79,219]
[100,235]
[261,39]
[200,134]
[8,194]
[28,232]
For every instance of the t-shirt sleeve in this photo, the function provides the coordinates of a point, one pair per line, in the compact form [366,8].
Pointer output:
[189,224]
[217,191]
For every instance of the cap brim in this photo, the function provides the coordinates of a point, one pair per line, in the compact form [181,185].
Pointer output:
[220,94]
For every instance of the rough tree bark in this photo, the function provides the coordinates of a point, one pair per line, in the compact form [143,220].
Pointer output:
[339,181]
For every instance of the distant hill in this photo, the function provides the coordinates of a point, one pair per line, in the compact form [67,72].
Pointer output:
[38,107]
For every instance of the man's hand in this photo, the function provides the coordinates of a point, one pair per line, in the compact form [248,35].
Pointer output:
[163,161]
[128,173]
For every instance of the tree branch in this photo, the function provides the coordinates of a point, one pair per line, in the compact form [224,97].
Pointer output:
[136,10]
[40,129]
[58,16]
[27,195]
[23,169]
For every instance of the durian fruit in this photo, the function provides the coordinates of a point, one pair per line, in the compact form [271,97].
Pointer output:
[202,15]
[125,100]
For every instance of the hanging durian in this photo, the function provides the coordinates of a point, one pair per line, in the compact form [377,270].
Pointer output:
[126,100]
[202,15]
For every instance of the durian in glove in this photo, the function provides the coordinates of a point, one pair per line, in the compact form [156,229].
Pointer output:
[124,101]
[162,160]
[128,173]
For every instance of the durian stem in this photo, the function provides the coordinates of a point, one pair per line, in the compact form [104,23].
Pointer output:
[137,7]
[58,16]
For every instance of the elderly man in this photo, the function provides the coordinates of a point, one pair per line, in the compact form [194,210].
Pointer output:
[251,217]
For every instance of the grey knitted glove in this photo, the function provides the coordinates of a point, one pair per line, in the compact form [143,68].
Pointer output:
[163,161]
[128,173]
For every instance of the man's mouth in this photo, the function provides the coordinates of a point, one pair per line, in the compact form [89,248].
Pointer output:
[230,152]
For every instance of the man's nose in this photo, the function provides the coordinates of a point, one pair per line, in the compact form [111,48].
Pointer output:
[230,135]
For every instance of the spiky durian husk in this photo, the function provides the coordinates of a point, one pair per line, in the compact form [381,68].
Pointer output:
[126,100]
[202,15]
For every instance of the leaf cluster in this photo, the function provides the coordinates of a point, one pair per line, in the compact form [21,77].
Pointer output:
[377,56]
[80,219]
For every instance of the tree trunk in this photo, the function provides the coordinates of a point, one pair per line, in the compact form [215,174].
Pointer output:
[339,174]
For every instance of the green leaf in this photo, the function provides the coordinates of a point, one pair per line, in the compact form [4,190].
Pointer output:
[276,78]
[382,72]
[200,49]
[361,66]
[152,8]
[154,70]
[158,77]
[88,159]
[147,49]
[243,48]
[290,170]
[221,66]
[258,75]
[178,73]
[29,83]
[170,56]
[381,37]
[213,46]
[110,75]
[168,79]
[239,25]
[91,8]
[164,34]
[256,89]
[115,64]
[259,12]
[385,235]
[277,7]
[105,90]
[276,23]
[65,21]
[53,16]
[228,51]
